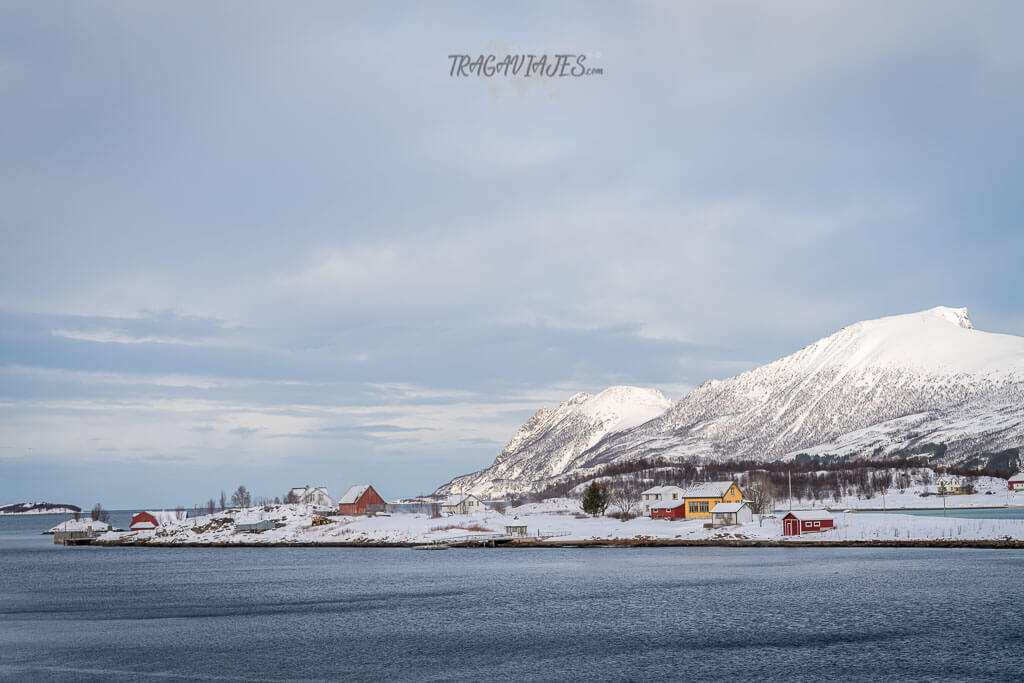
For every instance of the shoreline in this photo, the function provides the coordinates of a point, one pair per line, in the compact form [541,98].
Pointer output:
[609,543]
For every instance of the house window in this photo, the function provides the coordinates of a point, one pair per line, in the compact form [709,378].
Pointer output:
[675,496]
[807,525]
[817,524]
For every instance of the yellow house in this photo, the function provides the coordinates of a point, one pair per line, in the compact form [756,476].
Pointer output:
[702,498]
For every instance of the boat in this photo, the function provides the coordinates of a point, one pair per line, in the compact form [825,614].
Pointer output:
[432,546]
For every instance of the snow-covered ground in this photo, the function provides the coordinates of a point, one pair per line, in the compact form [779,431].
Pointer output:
[911,498]
[555,526]
[80,525]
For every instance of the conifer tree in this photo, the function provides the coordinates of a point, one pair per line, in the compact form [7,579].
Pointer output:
[594,502]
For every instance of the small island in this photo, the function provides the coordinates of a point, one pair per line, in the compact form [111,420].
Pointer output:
[38,509]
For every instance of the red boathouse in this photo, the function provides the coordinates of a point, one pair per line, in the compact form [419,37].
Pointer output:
[668,509]
[361,500]
[798,522]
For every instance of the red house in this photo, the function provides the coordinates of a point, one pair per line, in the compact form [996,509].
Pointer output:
[1016,482]
[361,500]
[144,521]
[798,522]
[668,509]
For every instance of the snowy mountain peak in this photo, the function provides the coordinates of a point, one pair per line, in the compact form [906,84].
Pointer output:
[892,385]
[957,316]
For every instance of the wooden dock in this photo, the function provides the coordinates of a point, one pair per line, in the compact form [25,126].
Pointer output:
[74,537]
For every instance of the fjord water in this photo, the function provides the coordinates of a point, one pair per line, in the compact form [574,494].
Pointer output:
[302,614]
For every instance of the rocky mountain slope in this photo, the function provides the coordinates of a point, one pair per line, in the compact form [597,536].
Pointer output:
[549,441]
[925,382]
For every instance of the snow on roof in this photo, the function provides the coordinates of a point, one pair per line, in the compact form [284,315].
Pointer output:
[1017,477]
[354,494]
[163,517]
[663,489]
[807,514]
[667,504]
[727,507]
[708,489]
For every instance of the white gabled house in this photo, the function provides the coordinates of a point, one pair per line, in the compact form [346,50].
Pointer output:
[949,486]
[660,494]
[462,504]
[310,495]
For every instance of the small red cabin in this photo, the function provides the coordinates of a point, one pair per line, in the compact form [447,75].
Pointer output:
[361,500]
[1016,482]
[669,509]
[798,522]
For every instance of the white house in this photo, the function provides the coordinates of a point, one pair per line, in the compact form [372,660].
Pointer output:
[948,486]
[308,495]
[462,504]
[660,494]
[724,514]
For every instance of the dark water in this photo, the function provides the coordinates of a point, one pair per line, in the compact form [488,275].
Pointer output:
[669,614]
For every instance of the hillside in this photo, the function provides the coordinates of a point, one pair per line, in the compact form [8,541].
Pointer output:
[38,508]
[925,382]
[550,442]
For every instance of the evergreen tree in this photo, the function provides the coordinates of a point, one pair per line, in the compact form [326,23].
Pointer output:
[594,502]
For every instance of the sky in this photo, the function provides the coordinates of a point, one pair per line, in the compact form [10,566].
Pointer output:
[278,244]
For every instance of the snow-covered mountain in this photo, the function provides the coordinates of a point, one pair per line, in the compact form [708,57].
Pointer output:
[924,381]
[551,440]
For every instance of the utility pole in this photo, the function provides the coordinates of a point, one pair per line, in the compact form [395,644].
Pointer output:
[789,476]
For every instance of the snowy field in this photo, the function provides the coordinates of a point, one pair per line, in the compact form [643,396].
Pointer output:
[912,499]
[79,525]
[551,525]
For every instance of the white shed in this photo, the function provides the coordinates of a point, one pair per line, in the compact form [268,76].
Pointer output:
[725,514]
[515,528]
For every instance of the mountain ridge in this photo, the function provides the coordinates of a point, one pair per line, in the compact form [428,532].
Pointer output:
[874,387]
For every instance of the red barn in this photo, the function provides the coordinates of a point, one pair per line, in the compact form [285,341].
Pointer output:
[144,521]
[668,509]
[798,522]
[1016,482]
[361,500]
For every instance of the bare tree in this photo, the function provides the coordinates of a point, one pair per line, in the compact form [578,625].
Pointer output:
[761,492]
[435,511]
[211,506]
[498,507]
[223,501]
[241,498]
[291,498]
[625,495]
[277,500]
[77,514]
[98,514]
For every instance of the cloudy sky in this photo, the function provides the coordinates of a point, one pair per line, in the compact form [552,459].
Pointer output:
[278,244]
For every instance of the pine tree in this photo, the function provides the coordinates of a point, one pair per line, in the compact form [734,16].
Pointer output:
[594,502]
